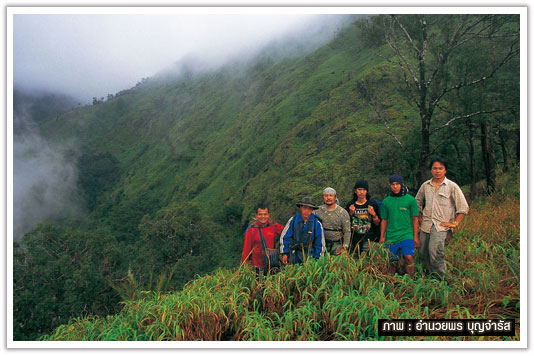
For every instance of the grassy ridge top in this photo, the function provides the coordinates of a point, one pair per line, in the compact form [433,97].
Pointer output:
[334,298]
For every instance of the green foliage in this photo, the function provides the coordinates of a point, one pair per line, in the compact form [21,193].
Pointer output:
[273,129]
[179,236]
[98,173]
[372,31]
[442,58]
[59,273]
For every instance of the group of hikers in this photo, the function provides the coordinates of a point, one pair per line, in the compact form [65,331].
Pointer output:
[400,222]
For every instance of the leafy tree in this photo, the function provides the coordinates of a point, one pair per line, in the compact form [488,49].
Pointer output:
[60,273]
[425,47]
[502,91]
[179,235]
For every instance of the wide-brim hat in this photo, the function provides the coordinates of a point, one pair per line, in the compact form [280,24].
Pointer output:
[307,201]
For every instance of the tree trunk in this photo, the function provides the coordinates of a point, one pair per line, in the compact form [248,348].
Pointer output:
[471,147]
[424,112]
[457,150]
[425,149]
[502,142]
[488,155]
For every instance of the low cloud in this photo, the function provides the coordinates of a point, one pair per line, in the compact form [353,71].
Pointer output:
[44,179]
[88,56]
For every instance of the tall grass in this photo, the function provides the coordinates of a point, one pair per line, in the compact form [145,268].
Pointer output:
[333,298]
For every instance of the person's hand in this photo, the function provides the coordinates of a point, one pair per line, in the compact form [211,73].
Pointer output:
[382,239]
[449,224]
[352,209]
[416,242]
[340,251]
[371,210]
[284,259]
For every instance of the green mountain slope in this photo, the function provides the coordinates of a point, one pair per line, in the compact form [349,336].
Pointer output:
[274,129]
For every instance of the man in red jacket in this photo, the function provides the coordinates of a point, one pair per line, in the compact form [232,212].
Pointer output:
[271,231]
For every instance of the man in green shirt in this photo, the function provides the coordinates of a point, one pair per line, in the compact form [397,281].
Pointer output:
[400,225]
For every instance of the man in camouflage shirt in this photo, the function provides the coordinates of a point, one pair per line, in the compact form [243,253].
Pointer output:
[336,223]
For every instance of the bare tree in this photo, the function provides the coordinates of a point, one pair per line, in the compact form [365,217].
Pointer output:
[427,47]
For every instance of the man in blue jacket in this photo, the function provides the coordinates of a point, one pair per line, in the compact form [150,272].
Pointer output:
[303,235]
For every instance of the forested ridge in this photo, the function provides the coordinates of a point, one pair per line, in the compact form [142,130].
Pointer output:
[170,169]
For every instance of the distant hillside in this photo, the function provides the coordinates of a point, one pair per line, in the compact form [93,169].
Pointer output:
[38,107]
[274,129]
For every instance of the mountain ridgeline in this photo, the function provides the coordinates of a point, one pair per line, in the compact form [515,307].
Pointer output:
[171,169]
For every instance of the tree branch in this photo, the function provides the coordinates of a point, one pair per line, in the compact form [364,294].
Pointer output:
[411,92]
[404,63]
[368,96]
[422,55]
[471,35]
[443,55]
[406,34]
[442,143]
[466,116]
[511,53]
[390,131]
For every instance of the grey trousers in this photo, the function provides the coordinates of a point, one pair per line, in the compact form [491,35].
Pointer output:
[432,251]
[333,247]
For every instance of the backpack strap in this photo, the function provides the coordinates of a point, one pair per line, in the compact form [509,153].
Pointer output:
[263,244]
[270,260]
[310,244]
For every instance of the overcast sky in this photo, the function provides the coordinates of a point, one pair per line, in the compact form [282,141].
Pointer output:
[94,55]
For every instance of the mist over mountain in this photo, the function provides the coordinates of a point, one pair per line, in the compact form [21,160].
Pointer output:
[90,56]
[307,37]
[44,178]
[31,107]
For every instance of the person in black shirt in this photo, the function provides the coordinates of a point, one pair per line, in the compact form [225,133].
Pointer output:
[365,219]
